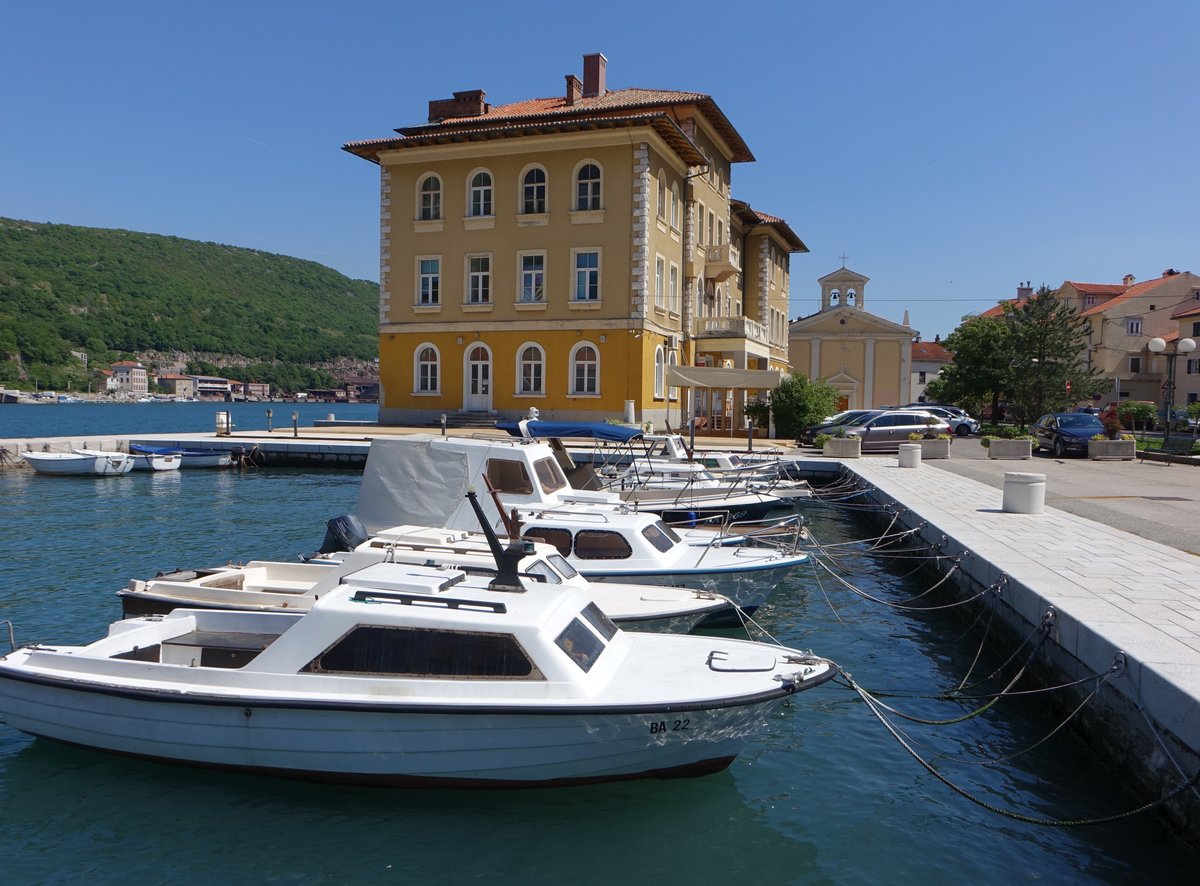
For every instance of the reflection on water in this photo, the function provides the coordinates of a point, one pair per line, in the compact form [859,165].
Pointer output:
[821,795]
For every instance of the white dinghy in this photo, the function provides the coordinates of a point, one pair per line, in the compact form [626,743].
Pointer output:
[410,678]
[81,462]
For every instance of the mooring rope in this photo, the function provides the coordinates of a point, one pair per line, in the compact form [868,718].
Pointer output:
[991,807]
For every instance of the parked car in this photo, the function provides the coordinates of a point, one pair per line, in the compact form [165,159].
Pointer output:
[1064,433]
[1088,410]
[960,423]
[888,430]
[827,426]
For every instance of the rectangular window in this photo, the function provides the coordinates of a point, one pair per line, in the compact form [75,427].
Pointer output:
[587,276]
[1193,367]
[673,290]
[533,279]
[1133,326]
[659,274]
[1196,330]
[700,224]
[920,378]
[1135,365]
[479,280]
[429,283]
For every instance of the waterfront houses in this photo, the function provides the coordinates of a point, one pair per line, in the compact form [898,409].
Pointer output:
[562,253]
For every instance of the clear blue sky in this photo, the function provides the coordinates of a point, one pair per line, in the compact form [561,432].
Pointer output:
[951,149]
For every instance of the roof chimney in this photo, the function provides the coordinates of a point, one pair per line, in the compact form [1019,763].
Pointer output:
[574,89]
[464,104]
[1128,280]
[1170,272]
[1024,290]
[594,67]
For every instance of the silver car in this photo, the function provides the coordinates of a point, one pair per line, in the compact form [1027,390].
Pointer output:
[889,429]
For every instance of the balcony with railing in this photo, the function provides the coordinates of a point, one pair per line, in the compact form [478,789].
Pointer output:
[732,327]
[721,262]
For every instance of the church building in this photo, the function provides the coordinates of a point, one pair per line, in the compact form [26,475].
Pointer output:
[867,358]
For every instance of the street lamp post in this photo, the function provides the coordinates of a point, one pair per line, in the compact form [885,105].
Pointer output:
[1159,346]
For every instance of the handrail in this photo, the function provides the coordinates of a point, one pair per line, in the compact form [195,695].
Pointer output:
[12,641]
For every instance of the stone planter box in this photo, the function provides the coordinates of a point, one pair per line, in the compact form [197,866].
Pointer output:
[1112,449]
[934,449]
[1000,448]
[842,447]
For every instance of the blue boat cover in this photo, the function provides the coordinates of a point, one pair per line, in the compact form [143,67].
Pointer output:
[596,430]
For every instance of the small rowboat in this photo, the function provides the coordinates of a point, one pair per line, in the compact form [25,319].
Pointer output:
[81,462]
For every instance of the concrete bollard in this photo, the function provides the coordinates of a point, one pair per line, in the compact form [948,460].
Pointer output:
[910,455]
[630,415]
[1024,493]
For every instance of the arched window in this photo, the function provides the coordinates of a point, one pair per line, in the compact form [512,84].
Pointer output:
[662,196]
[426,372]
[585,369]
[533,192]
[835,296]
[673,360]
[430,199]
[660,371]
[675,207]
[587,187]
[851,295]
[480,195]
[531,369]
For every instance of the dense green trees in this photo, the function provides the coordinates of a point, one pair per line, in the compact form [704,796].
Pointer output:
[799,402]
[1027,356]
[117,293]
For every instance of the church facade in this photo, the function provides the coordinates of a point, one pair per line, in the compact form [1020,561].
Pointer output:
[867,358]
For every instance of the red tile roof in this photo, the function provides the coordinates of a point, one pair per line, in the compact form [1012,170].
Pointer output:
[748,215]
[1187,309]
[931,351]
[1127,293]
[998,310]
[1097,288]
[516,117]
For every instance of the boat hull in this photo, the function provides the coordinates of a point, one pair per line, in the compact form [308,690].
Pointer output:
[156,462]
[389,744]
[70,465]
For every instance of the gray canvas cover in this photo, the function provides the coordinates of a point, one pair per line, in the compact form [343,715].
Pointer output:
[409,481]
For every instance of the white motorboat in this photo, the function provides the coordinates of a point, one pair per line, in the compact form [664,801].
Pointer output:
[414,678]
[266,586]
[156,462]
[81,462]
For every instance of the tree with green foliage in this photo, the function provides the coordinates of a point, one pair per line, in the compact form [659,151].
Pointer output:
[799,402]
[1026,356]
[979,373]
[1137,414]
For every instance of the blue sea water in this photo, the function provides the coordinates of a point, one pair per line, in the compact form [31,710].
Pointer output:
[84,418]
[823,795]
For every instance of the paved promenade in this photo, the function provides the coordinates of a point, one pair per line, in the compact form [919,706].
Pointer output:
[1094,557]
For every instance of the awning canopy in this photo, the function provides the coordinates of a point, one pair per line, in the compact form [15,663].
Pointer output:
[591,430]
[716,377]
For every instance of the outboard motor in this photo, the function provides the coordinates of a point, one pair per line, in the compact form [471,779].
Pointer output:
[343,533]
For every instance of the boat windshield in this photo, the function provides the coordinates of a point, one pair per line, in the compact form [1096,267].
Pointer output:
[549,475]
[670,533]
[544,571]
[563,566]
[581,645]
[601,622]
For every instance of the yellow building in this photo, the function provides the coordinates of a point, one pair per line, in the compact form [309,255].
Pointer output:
[867,358]
[561,253]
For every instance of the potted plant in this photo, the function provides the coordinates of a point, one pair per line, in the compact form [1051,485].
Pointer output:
[932,446]
[1016,447]
[1104,448]
[838,445]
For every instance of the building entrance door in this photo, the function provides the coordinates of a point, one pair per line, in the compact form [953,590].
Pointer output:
[477,393]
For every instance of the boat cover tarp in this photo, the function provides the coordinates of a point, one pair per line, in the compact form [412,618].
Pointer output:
[406,482]
[718,377]
[596,430]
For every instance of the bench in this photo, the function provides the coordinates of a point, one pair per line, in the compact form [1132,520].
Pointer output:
[1172,447]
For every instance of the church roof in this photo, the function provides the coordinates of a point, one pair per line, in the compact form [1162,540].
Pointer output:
[847,320]
[843,273]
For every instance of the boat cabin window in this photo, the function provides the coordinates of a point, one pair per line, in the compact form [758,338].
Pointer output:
[549,475]
[581,645]
[656,534]
[543,571]
[602,623]
[509,476]
[420,652]
[601,544]
[563,566]
[560,538]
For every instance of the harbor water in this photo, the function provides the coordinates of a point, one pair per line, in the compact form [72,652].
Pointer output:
[824,795]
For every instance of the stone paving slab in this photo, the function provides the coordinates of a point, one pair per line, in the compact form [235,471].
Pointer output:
[1113,591]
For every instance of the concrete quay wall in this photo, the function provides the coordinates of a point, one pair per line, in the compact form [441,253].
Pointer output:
[1112,594]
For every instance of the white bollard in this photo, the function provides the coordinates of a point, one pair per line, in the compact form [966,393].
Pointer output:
[630,415]
[1024,493]
[910,455]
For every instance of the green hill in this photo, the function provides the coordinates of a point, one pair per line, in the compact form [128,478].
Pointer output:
[114,294]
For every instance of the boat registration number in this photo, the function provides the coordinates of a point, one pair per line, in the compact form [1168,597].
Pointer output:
[660,726]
